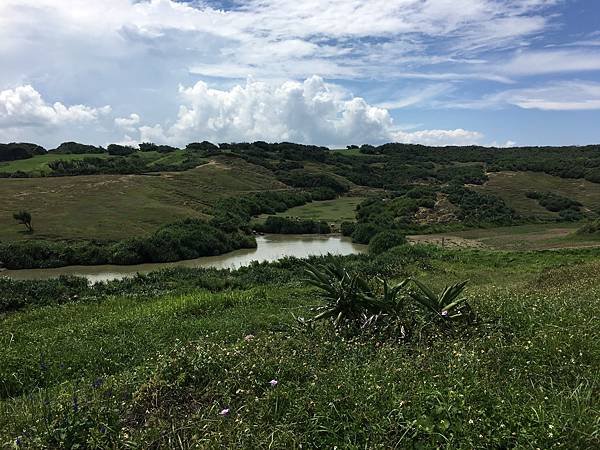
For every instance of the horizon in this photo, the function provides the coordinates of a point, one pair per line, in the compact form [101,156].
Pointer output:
[470,72]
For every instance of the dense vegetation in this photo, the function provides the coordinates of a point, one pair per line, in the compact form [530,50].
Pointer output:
[207,358]
[390,349]
[234,213]
[186,239]
[290,225]
[567,209]
[15,151]
[408,188]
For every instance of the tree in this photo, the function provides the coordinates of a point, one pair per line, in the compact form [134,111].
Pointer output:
[24,218]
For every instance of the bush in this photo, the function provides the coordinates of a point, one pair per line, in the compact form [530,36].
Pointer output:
[347,228]
[186,239]
[287,225]
[120,150]
[363,232]
[386,240]
[590,228]
[77,149]
[22,150]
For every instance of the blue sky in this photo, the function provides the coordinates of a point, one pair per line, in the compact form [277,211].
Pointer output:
[328,72]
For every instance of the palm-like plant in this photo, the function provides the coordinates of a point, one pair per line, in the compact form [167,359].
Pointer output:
[448,303]
[349,297]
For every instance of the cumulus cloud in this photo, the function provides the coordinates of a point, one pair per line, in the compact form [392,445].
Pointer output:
[128,123]
[24,106]
[312,111]
[269,38]
[133,53]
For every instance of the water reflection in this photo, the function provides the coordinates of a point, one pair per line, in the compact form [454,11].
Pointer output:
[269,248]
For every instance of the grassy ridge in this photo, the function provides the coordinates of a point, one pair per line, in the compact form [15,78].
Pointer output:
[122,206]
[154,369]
[512,187]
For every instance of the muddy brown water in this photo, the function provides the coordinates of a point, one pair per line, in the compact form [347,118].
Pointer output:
[269,248]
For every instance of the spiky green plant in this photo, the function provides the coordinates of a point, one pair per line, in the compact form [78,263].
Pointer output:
[449,303]
[349,297]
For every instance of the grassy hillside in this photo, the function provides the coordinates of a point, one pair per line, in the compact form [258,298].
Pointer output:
[120,206]
[331,211]
[512,187]
[414,189]
[186,360]
[523,237]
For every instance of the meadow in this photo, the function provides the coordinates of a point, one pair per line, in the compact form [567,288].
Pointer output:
[122,206]
[335,211]
[205,359]
[538,236]
[512,187]
[379,350]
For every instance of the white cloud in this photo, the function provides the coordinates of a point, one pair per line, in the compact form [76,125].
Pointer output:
[439,137]
[265,38]
[128,123]
[309,112]
[24,106]
[417,97]
[133,53]
[552,61]
[559,96]
[573,95]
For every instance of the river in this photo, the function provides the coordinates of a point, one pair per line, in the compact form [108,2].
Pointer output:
[269,248]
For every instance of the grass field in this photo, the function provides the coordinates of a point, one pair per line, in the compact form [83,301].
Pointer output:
[523,237]
[512,187]
[120,206]
[148,370]
[332,211]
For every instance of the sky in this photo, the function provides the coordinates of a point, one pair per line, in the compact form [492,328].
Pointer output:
[324,72]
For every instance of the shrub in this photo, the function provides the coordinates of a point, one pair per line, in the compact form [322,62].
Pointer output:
[287,225]
[363,232]
[385,240]
[120,150]
[186,239]
[347,228]
[78,149]
[590,228]
[22,150]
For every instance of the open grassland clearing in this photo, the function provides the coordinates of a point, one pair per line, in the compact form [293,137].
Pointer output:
[512,187]
[540,236]
[121,206]
[339,210]
[232,368]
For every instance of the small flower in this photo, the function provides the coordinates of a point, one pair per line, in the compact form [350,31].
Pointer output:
[224,412]
[444,313]
[249,338]
[273,383]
